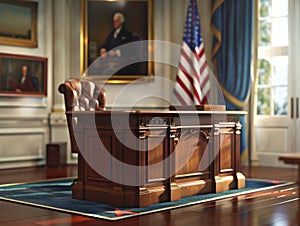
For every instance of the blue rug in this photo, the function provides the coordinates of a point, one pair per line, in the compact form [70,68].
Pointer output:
[56,195]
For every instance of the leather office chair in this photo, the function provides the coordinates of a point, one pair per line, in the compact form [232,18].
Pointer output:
[81,95]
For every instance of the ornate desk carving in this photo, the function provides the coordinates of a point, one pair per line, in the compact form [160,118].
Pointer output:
[173,156]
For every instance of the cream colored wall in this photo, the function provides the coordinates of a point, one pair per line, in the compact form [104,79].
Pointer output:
[28,124]
[24,127]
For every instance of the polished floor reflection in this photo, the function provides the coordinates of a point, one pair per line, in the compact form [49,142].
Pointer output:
[272,207]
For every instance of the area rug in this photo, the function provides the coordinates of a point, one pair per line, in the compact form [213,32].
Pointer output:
[57,195]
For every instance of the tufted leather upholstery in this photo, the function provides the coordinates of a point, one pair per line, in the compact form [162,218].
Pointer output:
[81,95]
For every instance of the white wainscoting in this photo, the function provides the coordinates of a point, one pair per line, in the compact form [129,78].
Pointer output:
[60,133]
[271,143]
[23,146]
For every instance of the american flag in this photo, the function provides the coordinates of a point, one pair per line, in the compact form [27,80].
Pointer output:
[192,82]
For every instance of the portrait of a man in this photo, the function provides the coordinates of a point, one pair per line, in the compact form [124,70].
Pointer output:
[111,25]
[20,75]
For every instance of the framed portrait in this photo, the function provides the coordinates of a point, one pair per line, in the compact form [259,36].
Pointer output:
[18,23]
[114,40]
[23,75]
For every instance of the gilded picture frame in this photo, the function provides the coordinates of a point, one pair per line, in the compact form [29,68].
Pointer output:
[18,23]
[22,75]
[96,25]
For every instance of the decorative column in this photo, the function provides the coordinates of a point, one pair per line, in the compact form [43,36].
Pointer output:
[66,54]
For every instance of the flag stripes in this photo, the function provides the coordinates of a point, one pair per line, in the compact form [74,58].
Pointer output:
[192,82]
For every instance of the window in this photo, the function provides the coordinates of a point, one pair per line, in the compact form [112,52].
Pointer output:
[272,65]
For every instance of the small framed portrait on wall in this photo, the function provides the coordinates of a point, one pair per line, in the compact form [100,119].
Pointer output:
[23,75]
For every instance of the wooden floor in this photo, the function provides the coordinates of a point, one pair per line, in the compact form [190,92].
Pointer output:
[275,207]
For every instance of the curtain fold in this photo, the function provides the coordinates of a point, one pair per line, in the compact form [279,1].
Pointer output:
[232,26]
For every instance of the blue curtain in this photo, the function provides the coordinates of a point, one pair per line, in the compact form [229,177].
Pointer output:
[232,23]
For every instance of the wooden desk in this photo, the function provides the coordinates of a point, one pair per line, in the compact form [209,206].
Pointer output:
[174,154]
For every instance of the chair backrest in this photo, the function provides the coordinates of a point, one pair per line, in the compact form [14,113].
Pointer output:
[81,95]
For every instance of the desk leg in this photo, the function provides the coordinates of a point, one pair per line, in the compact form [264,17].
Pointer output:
[298,182]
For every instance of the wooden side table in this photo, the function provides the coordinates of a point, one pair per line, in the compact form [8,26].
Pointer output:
[56,155]
[292,158]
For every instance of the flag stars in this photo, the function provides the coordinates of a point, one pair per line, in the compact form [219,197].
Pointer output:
[192,33]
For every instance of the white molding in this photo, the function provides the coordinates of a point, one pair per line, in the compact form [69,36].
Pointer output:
[24,102]
[10,131]
[22,158]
